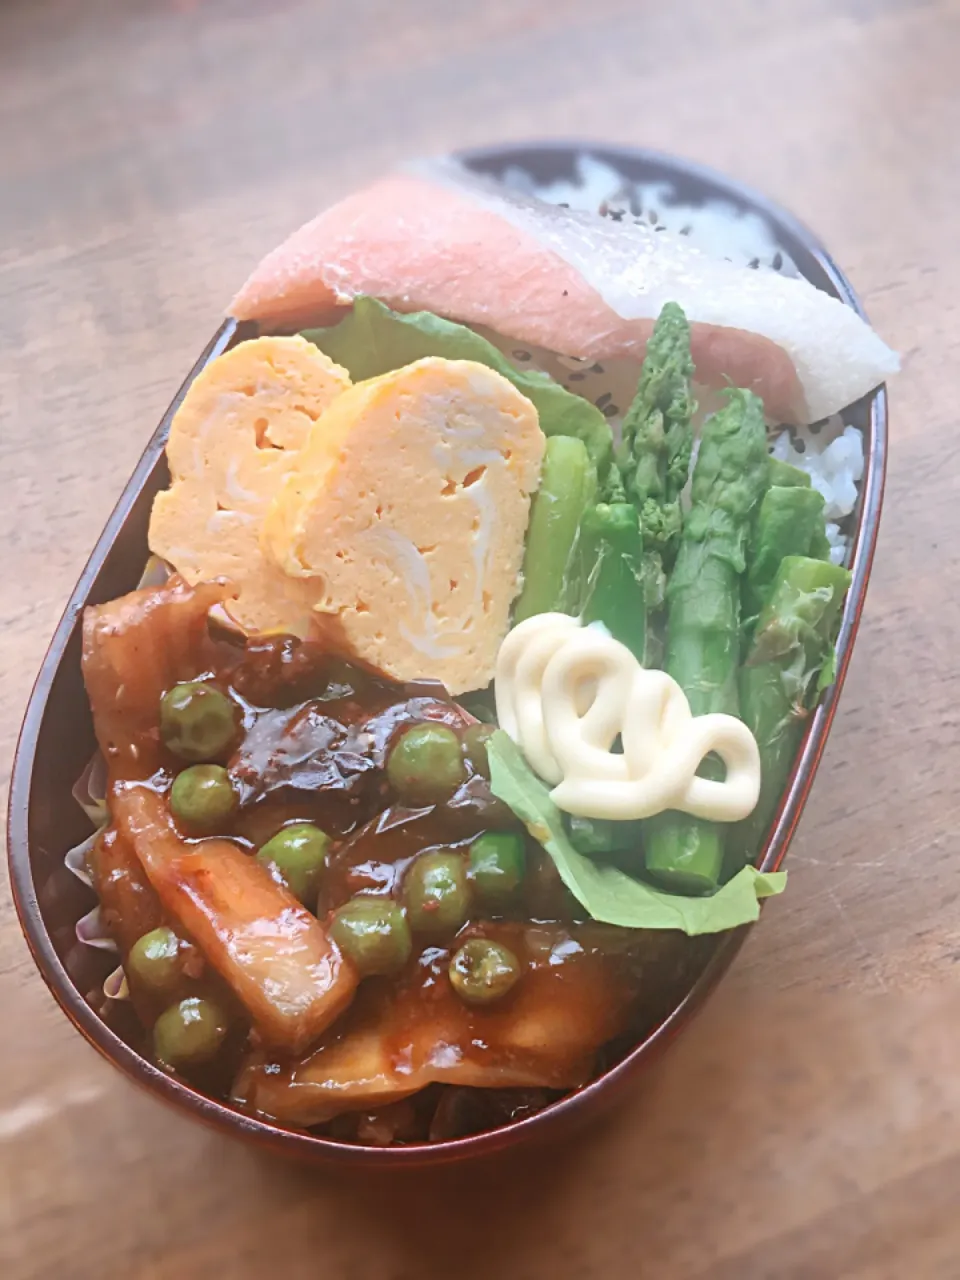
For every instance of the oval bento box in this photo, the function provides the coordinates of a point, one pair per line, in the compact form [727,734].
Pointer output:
[57,738]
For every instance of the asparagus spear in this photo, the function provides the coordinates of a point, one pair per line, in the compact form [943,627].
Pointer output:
[611,551]
[567,488]
[703,615]
[602,837]
[619,577]
[787,476]
[790,654]
[654,457]
[787,524]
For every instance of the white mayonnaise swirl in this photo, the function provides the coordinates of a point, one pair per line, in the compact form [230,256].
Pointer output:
[565,692]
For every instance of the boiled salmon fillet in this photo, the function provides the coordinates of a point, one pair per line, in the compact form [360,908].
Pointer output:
[439,239]
[405,516]
[233,440]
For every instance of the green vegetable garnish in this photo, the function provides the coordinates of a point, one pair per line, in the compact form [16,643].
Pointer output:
[603,837]
[607,893]
[703,617]
[788,665]
[568,484]
[612,573]
[789,523]
[654,457]
[371,339]
[786,476]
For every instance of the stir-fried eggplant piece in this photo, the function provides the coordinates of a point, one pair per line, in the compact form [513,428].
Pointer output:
[275,955]
[572,997]
[129,907]
[330,745]
[134,650]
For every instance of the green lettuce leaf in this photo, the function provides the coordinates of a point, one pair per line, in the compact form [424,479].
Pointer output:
[606,892]
[828,673]
[371,339]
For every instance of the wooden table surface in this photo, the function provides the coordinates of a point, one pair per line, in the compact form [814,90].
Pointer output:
[809,1124]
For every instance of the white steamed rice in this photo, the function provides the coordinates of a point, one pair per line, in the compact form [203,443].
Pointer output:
[833,459]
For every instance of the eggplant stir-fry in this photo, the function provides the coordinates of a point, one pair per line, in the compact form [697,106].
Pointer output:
[316,896]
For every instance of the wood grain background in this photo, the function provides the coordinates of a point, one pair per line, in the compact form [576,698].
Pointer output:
[809,1124]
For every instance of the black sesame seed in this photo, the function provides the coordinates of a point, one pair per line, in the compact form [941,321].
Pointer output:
[616,215]
[603,400]
[565,292]
[610,411]
[685,231]
[577,377]
[777,261]
[800,445]
[521,355]
[754,262]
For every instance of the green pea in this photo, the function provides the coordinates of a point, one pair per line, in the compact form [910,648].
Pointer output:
[197,721]
[498,861]
[425,765]
[189,1032]
[374,933]
[296,854]
[203,796]
[154,961]
[475,741]
[436,894]
[483,971]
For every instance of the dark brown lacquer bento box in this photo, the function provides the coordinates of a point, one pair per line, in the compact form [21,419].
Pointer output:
[57,739]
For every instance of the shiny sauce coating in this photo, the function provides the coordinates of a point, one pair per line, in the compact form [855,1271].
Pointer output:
[317,1043]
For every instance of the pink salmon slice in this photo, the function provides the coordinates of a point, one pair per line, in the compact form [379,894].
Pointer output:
[436,238]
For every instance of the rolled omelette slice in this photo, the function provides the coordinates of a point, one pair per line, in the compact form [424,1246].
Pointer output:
[405,516]
[440,239]
[234,439]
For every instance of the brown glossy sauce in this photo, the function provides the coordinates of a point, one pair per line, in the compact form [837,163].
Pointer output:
[313,738]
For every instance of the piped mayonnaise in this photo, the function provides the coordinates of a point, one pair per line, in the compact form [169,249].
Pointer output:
[564,693]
